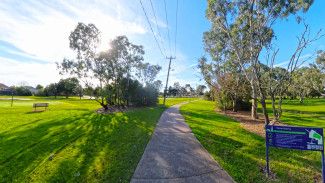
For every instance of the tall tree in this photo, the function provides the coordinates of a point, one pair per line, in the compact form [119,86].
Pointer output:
[68,87]
[117,63]
[320,60]
[200,89]
[148,73]
[52,90]
[113,70]
[241,29]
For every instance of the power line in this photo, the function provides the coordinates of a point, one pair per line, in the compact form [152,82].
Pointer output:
[145,13]
[176,24]
[167,27]
[156,22]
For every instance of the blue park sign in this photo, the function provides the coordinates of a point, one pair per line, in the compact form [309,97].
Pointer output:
[301,138]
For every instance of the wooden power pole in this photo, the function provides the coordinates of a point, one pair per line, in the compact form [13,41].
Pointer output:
[165,92]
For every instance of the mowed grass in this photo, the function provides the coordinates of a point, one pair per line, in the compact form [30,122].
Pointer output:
[172,101]
[70,142]
[242,153]
[309,113]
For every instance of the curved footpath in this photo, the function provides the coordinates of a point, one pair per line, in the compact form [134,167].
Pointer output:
[175,155]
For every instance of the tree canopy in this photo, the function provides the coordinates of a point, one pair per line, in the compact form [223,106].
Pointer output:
[113,72]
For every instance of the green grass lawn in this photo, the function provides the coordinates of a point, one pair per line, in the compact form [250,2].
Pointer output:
[70,142]
[172,101]
[242,153]
[309,113]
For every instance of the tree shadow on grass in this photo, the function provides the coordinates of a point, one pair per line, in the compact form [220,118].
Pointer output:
[303,112]
[83,148]
[113,155]
[309,102]
[24,149]
[242,153]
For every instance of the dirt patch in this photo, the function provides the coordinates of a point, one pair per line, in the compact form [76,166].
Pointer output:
[113,109]
[244,117]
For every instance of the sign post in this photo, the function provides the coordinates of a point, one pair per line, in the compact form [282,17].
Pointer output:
[323,170]
[301,138]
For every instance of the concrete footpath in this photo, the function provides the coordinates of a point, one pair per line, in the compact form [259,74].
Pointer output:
[175,155]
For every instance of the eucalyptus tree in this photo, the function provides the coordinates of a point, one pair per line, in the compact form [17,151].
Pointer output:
[281,78]
[111,70]
[320,64]
[147,72]
[123,58]
[278,80]
[200,89]
[320,60]
[84,40]
[240,30]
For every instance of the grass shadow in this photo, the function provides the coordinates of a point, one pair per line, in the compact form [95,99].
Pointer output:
[84,148]
[242,153]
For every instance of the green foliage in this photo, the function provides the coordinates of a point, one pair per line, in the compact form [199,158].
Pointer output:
[239,31]
[68,87]
[184,91]
[307,82]
[320,60]
[51,90]
[200,89]
[21,91]
[114,69]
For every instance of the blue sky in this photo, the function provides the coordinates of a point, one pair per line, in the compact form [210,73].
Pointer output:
[34,34]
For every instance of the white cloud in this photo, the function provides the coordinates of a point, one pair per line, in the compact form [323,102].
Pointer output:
[304,58]
[44,31]
[14,72]
[41,30]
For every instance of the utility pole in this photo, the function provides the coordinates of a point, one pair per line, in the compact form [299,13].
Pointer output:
[165,92]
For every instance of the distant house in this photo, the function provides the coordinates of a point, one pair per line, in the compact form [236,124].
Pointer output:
[4,89]
[3,86]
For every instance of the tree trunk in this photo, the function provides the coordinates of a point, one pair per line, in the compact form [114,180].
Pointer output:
[301,99]
[266,116]
[254,103]
[254,109]
[280,108]
[275,113]
[104,106]
[234,106]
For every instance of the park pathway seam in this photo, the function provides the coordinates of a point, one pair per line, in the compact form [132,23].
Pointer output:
[175,155]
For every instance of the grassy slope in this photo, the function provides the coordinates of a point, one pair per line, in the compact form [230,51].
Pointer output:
[71,143]
[242,153]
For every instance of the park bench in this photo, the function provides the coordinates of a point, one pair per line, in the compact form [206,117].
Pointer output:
[45,105]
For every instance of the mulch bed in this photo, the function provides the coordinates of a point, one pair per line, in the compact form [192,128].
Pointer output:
[244,117]
[113,109]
